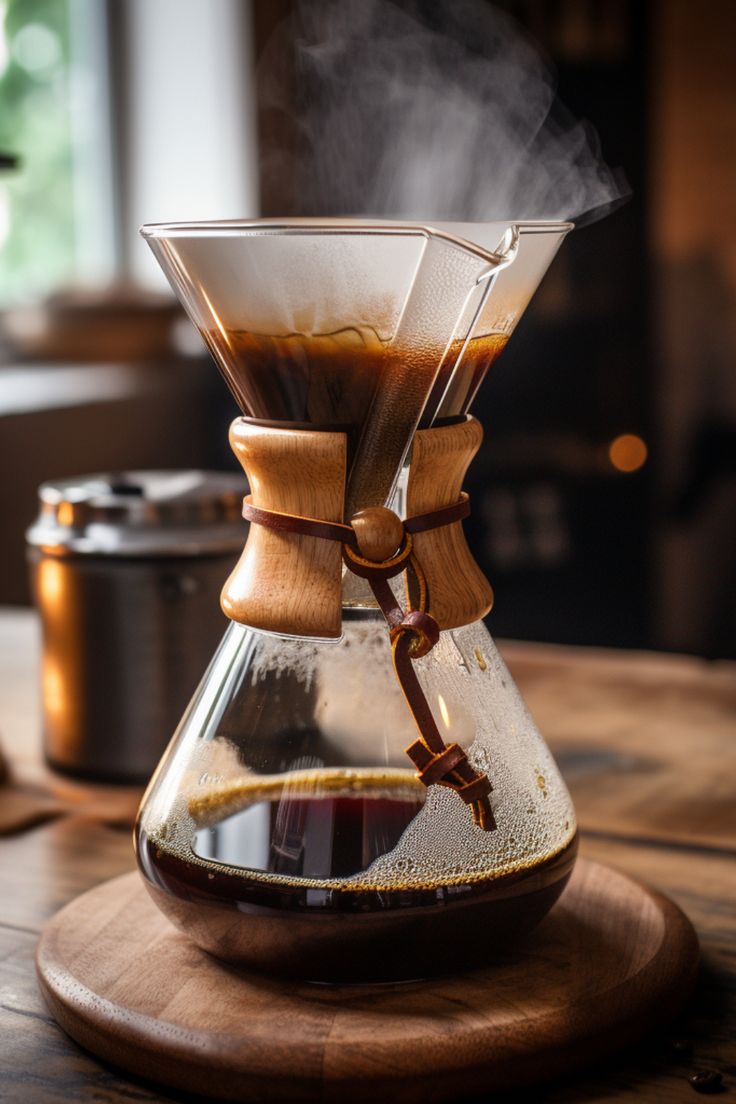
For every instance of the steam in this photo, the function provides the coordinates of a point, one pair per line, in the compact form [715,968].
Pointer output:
[423,111]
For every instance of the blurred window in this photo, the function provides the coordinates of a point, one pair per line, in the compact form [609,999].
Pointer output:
[56,207]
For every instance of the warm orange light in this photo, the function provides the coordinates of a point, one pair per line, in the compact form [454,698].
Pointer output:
[50,584]
[52,685]
[627,453]
[65,514]
[444,710]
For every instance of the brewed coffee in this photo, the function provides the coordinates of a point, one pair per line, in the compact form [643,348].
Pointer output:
[283,884]
[330,380]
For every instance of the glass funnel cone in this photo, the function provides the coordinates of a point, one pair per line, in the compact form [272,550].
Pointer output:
[285,828]
[367,328]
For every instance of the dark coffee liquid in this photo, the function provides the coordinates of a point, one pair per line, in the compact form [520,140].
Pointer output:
[231,891]
[454,389]
[325,380]
[309,837]
[331,380]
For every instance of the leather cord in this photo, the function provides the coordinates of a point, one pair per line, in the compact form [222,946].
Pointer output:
[294,523]
[446,515]
[335,530]
[413,633]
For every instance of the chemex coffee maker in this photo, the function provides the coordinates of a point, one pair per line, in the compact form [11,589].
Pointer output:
[357,790]
[357,793]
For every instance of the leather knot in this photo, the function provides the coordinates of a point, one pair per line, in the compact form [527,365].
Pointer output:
[450,767]
[424,629]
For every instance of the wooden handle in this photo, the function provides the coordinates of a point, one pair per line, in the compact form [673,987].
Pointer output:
[285,582]
[459,592]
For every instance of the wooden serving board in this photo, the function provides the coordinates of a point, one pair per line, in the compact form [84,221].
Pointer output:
[611,961]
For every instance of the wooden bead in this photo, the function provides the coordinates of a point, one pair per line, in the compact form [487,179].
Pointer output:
[379,532]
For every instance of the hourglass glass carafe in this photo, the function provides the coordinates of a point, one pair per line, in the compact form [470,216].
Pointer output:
[356,790]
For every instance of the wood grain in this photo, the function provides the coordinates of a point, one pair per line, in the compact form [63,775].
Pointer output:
[24,807]
[702,1035]
[645,742]
[459,592]
[611,960]
[285,582]
[39,872]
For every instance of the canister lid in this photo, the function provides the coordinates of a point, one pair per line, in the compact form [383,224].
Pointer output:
[141,513]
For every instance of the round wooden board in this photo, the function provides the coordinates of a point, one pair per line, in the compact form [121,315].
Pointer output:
[612,960]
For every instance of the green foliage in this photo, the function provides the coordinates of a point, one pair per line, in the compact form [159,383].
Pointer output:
[36,200]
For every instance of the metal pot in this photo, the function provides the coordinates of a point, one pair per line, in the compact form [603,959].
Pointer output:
[126,571]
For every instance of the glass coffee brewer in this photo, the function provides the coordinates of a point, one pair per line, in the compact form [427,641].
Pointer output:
[356,791]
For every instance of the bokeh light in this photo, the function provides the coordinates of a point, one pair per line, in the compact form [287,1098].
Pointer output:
[627,452]
[37,49]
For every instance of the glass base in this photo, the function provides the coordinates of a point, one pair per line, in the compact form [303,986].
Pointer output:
[352,936]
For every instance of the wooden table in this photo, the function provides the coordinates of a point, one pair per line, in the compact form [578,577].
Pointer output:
[646,743]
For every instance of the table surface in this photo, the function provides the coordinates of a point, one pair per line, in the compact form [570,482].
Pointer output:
[646,745]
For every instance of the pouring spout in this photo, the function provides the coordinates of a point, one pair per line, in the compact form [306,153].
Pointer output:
[504,254]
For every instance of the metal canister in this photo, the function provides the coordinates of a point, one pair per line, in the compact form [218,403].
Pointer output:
[127,569]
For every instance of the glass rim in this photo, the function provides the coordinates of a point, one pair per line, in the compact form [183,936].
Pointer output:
[216,228]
